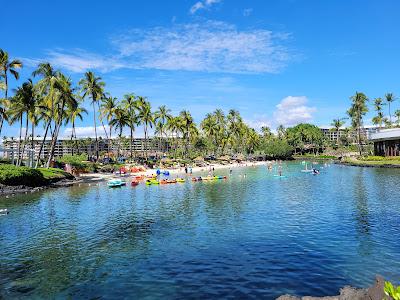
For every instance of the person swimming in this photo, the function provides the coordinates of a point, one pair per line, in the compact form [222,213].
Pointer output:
[315,171]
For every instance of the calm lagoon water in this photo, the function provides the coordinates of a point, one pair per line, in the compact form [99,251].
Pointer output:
[253,237]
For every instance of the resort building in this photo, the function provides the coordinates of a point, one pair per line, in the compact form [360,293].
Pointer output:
[386,142]
[65,146]
[332,135]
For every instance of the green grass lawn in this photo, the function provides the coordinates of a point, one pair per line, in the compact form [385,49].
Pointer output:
[12,175]
[374,161]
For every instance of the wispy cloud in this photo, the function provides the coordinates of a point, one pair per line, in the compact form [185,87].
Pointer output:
[205,4]
[259,121]
[210,46]
[293,110]
[247,12]
[204,47]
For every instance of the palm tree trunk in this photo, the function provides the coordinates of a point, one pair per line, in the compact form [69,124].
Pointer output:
[130,145]
[95,130]
[55,135]
[32,145]
[25,139]
[105,130]
[119,142]
[337,137]
[109,143]
[42,145]
[19,141]
[145,140]
[6,97]
[72,135]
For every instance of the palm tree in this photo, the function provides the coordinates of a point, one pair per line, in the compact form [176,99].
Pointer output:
[73,112]
[389,99]
[234,124]
[145,117]
[46,88]
[119,120]
[337,124]
[7,66]
[356,112]
[378,103]
[161,116]
[92,86]
[187,122]
[210,128]
[24,102]
[130,105]
[397,114]
[108,106]
[173,126]
[281,131]
[64,97]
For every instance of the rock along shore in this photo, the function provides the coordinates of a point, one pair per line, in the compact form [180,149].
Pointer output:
[374,292]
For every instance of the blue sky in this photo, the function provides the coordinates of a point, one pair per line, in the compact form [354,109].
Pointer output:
[285,61]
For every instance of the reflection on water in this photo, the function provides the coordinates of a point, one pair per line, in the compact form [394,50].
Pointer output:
[256,236]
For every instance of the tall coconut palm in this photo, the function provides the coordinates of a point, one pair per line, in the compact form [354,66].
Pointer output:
[378,103]
[73,112]
[337,124]
[281,131]
[161,117]
[187,122]
[173,126]
[389,97]
[7,66]
[397,114]
[120,119]
[234,124]
[93,87]
[64,97]
[145,118]
[23,103]
[210,128]
[108,106]
[129,103]
[356,112]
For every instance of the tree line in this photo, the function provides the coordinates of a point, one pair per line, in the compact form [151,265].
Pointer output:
[50,99]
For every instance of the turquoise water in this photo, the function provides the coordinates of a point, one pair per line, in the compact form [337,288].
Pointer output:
[257,236]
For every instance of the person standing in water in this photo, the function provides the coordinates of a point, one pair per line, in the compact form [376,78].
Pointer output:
[280,170]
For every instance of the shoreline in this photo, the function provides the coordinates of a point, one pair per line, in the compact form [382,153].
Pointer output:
[98,177]
[368,164]
[92,178]
[373,292]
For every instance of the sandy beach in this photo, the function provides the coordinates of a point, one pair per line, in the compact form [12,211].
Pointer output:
[97,177]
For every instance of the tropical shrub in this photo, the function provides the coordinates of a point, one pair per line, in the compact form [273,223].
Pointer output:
[392,291]
[277,149]
[13,175]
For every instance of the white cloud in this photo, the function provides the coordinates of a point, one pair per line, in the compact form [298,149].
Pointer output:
[259,121]
[247,12]
[202,5]
[293,110]
[204,47]
[88,131]
[79,60]
[85,131]
[210,46]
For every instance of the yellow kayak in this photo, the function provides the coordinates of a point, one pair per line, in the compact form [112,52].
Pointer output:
[180,180]
[152,181]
